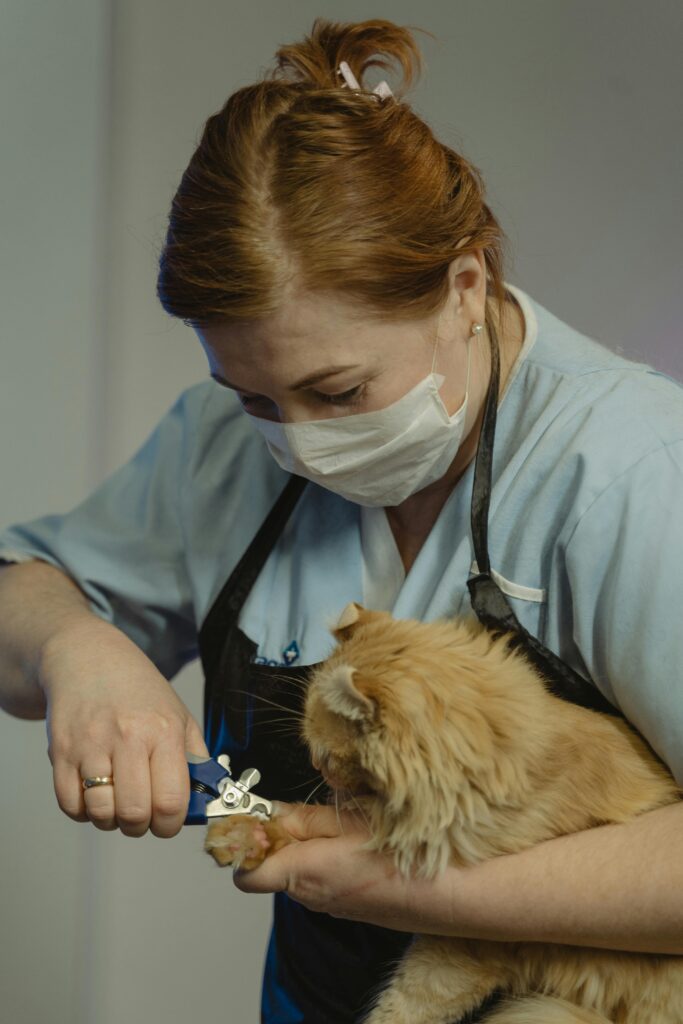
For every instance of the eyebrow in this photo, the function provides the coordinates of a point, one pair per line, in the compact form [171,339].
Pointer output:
[306,382]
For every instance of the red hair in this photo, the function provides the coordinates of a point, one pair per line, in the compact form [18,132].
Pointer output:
[301,183]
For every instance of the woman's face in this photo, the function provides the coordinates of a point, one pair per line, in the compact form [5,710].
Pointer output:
[319,358]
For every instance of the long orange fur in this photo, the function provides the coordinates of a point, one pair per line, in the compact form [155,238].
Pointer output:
[468,756]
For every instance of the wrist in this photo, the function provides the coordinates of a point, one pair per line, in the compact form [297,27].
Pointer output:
[78,628]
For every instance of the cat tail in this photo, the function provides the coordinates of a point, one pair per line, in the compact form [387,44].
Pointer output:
[540,1009]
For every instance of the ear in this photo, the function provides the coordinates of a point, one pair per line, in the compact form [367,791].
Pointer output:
[350,617]
[354,615]
[343,697]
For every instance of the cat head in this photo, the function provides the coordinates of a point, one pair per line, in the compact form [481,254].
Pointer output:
[426,717]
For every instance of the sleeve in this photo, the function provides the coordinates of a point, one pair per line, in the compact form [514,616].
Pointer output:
[124,546]
[624,561]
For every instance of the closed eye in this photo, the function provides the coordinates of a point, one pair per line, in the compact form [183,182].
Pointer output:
[350,397]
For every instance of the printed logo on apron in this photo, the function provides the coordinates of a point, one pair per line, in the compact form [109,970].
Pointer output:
[289,655]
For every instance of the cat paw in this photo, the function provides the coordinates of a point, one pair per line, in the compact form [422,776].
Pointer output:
[238,839]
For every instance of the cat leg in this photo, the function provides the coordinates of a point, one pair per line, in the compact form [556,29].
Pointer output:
[437,982]
[543,1010]
[244,840]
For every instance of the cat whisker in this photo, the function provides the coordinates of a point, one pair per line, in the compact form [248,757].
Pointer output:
[293,733]
[302,684]
[293,728]
[321,783]
[336,807]
[258,696]
[307,783]
[363,814]
[287,729]
[272,721]
[234,707]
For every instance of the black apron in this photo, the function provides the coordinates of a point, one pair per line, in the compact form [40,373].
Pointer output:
[329,966]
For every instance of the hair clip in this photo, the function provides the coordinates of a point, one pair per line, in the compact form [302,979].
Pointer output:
[382,91]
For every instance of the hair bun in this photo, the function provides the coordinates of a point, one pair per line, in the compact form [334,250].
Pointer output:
[316,59]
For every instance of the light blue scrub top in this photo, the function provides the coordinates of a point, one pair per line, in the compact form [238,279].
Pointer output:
[585,531]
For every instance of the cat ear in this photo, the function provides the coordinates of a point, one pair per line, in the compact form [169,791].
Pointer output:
[354,615]
[342,696]
[350,617]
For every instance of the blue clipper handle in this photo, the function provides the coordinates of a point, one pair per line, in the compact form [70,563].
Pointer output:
[204,778]
[196,812]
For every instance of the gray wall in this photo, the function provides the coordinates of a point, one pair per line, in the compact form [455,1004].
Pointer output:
[570,109]
[53,112]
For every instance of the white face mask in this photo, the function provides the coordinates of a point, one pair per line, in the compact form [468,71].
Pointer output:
[375,458]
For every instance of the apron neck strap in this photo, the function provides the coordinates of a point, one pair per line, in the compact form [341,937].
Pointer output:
[481,487]
[227,606]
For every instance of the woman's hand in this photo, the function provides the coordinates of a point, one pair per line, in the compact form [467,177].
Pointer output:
[328,872]
[110,712]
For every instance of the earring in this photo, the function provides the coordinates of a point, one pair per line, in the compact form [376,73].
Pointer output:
[476,329]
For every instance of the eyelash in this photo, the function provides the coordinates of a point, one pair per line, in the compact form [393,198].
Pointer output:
[350,397]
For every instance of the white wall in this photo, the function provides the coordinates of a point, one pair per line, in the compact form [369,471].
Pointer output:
[570,110]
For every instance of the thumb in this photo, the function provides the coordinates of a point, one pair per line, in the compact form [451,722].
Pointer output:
[194,740]
[314,821]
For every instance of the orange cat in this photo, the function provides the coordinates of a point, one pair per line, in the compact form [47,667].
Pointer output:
[468,756]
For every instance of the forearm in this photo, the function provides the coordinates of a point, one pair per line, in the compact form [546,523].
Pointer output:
[612,887]
[36,601]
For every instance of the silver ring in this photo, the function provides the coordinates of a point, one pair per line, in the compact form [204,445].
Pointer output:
[98,780]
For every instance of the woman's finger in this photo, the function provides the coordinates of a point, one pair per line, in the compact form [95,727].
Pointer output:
[170,786]
[68,788]
[99,800]
[194,739]
[317,821]
[132,788]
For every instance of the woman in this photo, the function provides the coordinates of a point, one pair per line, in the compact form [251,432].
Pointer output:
[344,275]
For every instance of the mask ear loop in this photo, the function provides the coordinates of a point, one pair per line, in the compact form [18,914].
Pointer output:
[469,356]
[469,362]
